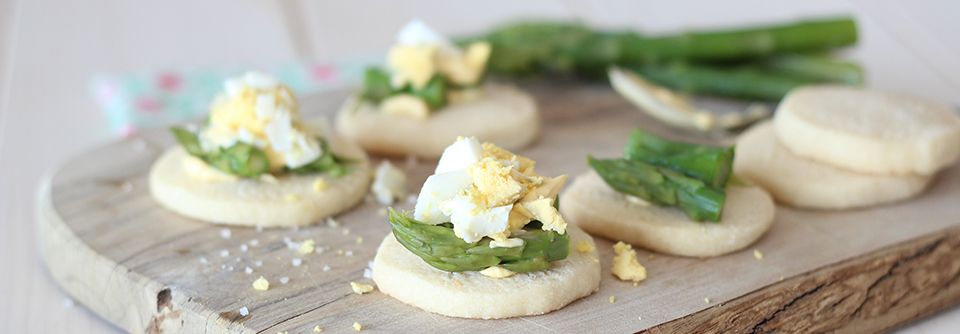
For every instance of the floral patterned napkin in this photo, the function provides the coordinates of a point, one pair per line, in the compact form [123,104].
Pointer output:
[135,101]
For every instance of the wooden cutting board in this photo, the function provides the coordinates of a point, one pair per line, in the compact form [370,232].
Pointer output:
[146,269]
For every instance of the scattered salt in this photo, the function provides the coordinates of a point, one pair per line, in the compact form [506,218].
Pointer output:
[296,262]
[224,253]
[248,270]
[326,268]
[244,248]
[254,243]
[244,311]
[225,233]
[284,280]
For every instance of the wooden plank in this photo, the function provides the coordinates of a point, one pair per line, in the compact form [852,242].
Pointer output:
[116,251]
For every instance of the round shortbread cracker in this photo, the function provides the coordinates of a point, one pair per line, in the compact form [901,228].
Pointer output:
[502,115]
[806,183]
[591,204]
[404,276]
[868,131]
[289,201]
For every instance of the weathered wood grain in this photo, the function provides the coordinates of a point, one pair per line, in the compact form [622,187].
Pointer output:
[148,270]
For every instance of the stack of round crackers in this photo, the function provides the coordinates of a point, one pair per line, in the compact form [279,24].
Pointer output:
[832,147]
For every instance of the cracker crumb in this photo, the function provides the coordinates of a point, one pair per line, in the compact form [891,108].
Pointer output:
[307,247]
[584,246]
[346,231]
[317,329]
[291,198]
[612,299]
[319,184]
[359,240]
[757,254]
[332,222]
[261,284]
[268,178]
[357,326]
[360,288]
[339,252]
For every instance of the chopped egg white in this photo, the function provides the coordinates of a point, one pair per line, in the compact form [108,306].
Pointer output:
[486,191]
[389,183]
[257,110]
[507,243]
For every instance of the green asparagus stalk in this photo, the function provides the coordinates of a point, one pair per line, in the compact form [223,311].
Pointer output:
[768,79]
[709,164]
[661,186]
[743,82]
[816,67]
[439,247]
[740,44]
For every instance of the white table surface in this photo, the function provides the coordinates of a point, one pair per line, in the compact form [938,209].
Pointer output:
[50,49]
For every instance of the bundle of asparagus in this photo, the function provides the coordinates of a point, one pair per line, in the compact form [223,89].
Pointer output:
[756,62]
[691,177]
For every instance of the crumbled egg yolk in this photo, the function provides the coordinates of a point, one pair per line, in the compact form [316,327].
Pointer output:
[320,184]
[486,191]
[307,247]
[360,288]
[258,110]
[317,329]
[357,326]
[584,246]
[625,265]
[261,284]
[421,53]
[497,272]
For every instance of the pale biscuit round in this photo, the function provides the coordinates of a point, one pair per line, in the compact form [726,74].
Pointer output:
[501,114]
[868,131]
[291,200]
[404,276]
[806,183]
[591,204]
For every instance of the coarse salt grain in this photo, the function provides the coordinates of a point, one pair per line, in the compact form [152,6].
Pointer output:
[248,270]
[296,262]
[244,311]
[224,253]
[225,233]
[326,268]
[284,280]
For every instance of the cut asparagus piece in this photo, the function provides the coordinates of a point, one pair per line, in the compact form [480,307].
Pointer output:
[439,247]
[709,164]
[661,186]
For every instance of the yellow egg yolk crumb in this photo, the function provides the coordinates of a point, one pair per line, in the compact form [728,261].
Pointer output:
[625,265]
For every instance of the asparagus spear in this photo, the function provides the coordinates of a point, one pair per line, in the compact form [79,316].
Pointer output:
[661,186]
[709,164]
[743,43]
[814,67]
[738,82]
[439,247]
